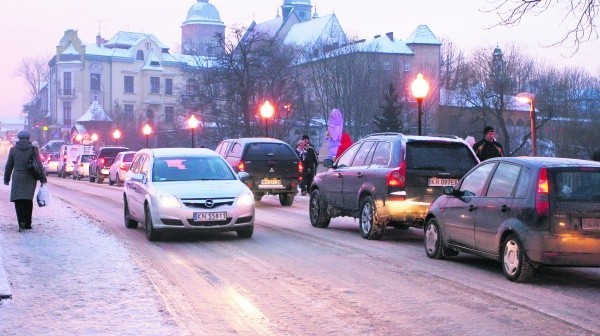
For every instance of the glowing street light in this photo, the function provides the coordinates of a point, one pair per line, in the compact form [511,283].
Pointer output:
[147,130]
[116,134]
[193,124]
[528,97]
[420,88]
[266,112]
[79,138]
[94,139]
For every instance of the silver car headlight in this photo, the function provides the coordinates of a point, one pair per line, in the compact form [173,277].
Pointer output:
[245,198]
[167,200]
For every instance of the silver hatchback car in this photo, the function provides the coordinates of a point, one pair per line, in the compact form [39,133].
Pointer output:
[190,189]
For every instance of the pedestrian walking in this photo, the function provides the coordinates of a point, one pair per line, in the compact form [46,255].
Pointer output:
[309,162]
[488,147]
[23,183]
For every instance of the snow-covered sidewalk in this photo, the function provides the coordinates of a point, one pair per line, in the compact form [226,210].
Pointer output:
[68,277]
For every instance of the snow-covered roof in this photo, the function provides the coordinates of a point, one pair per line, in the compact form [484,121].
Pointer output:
[381,44]
[423,35]
[270,27]
[70,50]
[309,32]
[152,63]
[128,39]
[95,113]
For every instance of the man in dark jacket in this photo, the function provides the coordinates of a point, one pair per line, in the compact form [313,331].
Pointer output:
[488,147]
[309,162]
[23,183]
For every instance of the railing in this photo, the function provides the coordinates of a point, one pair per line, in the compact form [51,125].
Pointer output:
[66,92]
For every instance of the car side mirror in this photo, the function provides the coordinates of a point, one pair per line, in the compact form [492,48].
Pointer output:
[449,190]
[141,178]
[243,176]
[328,163]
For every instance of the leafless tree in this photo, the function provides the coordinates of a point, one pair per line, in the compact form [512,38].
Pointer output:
[34,72]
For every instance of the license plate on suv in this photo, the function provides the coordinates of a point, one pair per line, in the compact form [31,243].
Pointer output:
[268,181]
[209,216]
[590,223]
[441,182]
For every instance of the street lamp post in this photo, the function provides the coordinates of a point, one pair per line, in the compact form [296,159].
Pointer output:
[147,130]
[94,139]
[528,97]
[193,124]
[116,134]
[266,112]
[419,88]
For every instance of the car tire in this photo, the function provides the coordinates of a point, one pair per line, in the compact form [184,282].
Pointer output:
[99,179]
[73,176]
[286,199]
[245,232]
[118,181]
[110,181]
[515,264]
[258,197]
[129,223]
[91,178]
[151,233]
[78,177]
[317,210]
[434,244]
[370,228]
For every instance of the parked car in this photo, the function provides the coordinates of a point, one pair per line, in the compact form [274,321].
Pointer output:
[272,165]
[186,189]
[68,154]
[525,212]
[52,146]
[118,170]
[82,166]
[50,162]
[100,164]
[388,179]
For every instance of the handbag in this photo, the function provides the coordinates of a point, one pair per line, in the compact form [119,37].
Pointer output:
[34,168]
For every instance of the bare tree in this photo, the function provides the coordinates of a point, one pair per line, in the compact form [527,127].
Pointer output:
[580,16]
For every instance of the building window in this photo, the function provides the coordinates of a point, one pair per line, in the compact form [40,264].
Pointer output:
[95,82]
[169,86]
[140,55]
[169,114]
[67,83]
[407,66]
[154,85]
[67,113]
[128,84]
[128,112]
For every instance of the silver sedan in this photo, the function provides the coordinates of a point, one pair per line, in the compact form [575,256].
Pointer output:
[179,189]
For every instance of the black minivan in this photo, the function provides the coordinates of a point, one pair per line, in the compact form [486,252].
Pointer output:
[273,166]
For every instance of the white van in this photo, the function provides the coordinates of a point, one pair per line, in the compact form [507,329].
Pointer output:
[67,155]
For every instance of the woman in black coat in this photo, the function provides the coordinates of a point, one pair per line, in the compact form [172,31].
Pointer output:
[23,184]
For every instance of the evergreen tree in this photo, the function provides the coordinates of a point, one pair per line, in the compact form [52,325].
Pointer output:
[389,120]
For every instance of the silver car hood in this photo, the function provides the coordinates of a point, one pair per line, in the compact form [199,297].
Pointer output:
[197,189]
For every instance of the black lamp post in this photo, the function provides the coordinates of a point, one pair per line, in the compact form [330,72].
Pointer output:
[147,130]
[419,88]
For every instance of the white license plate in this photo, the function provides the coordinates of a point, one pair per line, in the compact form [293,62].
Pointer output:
[441,182]
[105,171]
[270,182]
[209,216]
[590,223]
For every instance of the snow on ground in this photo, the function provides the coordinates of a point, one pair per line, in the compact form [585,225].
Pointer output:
[68,277]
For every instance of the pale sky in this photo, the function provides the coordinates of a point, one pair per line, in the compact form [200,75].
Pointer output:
[33,28]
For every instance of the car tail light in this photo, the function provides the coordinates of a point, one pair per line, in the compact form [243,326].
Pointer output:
[101,162]
[122,166]
[241,166]
[397,177]
[542,203]
[300,167]
[80,164]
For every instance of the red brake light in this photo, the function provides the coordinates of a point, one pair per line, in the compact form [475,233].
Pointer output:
[122,166]
[101,162]
[300,167]
[542,204]
[397,177]
[241,166]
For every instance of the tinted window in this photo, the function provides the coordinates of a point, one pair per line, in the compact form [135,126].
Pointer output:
[381,156]
[111,152]
[128,157]
[86,158]
[346,158]
[577,185]
[191,169]
[524,182]
[363,153]
[448,155]
[504,180]
[236,151]
[269,151]
[137,164]
[474,182]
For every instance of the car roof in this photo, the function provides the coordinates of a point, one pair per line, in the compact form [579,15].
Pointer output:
[257,139]
[408,137]
[550,162]
[170,152]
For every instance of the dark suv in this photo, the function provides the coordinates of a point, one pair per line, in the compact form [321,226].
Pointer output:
[525,212]
[100,165]
[388,179]
[273,166]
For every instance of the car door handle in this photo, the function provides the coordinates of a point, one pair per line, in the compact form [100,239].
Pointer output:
[471,208]
[505,208]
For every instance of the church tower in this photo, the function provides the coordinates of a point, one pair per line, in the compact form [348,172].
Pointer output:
[302,8]
[198,31]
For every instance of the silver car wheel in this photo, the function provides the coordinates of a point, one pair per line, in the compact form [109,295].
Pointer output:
[366,217]
[431,239]
[511,257]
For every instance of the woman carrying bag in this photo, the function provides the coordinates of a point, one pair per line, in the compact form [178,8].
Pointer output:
[23,182]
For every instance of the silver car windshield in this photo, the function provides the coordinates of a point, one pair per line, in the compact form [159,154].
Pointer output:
[191,169]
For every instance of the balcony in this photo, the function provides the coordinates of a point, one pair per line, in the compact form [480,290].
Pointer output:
[66,93]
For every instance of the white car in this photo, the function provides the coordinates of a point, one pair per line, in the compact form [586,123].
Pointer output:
[81,166]
[51,163]
[118,170]
[186,189]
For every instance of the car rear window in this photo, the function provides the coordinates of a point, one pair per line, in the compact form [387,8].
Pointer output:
[128,157]
[578,184]
[269,151]
[111,152]
[86,158]
[439,156]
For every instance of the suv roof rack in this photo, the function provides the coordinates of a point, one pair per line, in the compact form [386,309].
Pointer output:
[449,136]
[386,133]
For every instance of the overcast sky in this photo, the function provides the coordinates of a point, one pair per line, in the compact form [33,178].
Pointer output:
[34,28]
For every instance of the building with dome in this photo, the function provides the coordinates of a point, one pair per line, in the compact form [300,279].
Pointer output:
[198,30]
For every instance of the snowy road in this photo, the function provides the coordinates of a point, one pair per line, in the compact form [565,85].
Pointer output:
[288,279]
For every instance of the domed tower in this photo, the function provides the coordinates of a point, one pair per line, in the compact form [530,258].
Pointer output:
[199,29]
[302,8]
